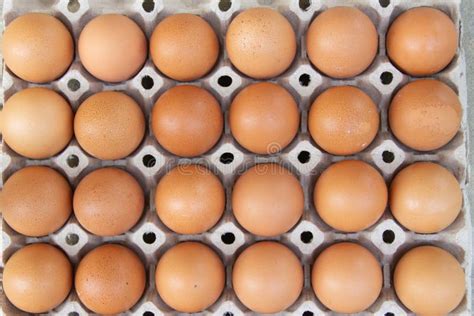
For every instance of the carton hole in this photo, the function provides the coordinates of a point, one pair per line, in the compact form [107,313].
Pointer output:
[149,238]
[72,239]
[228,314]
[224,5]
[224,81]
[147,82]
[73,6]
[384,4]
[149,161]
[73,85]
[389,314]
[304,156]
[388,237]
[228,238]
[148,313]
[386,77]
[73,314]
[306,237]
[304,80]
[388,156]
[226,158]
[304,5]
[72,161]
[148,5]
[308,313]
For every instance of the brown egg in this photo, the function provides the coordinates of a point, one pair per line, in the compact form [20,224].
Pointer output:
[342,42]
[37,47]
[343,120]
[110,279]
[190,277]
[350,195]
[425,114]
[37,123]
[267,277]
[425,197]
[422,41]
[187,120]
[267,200]
[109,125]
[429,281]
[264,118]
[184,47]
[347,278]
[261,43]
[36,201]
[190,199]
[108,201]
[112,47]
[37,278]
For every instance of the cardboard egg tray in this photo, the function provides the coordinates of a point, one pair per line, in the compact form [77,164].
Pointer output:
[150,238]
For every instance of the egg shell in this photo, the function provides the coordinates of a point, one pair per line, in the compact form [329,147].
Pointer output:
[190,277]
[267,200]
[37,47]
[110,279]
[264,118]
[429,281]
[36,201]
[37,278]
[425,114]
[267,277]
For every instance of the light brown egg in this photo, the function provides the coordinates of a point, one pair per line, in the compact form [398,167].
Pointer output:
[110,279]
[187,120]
[342,42]
[112,47]
[425,197]
[37,47]
[429,281]
[190,277]
[350,195]
[264,118]
[261,43]
[184,47]
[267,200]
[422,41]
[37,123]
[109,125]
[347,278]
[108,201]
[425,114]
[37,278]
[343,120]
[36,201]
[267,277]
[190,199]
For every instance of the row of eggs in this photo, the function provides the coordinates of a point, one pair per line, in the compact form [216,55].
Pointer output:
[264,118]
[341,42]
[267,277]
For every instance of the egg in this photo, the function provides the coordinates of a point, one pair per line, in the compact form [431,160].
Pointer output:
[110,279]
[429,281]
[37,47]
[342,42]
[109,125]
[343,120]
[347,278]
[190,277]
[37,278]
[187,120]
[425,114]
[37,123]
[425,197]
[112,47]
[350,195]
[261,43]
[184,47]
[108,201]
[264,118]
[267,277]
[190,199]
[422,41]
[267,200]
[36,201]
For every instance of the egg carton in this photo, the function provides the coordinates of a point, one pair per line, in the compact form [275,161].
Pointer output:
[150,238]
